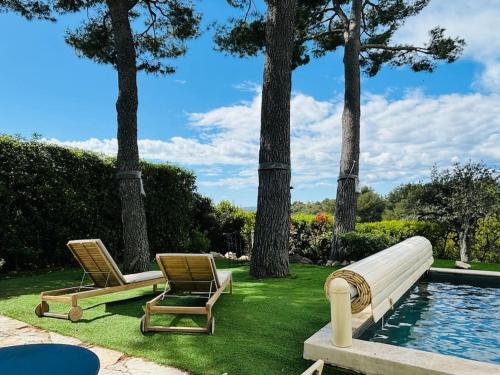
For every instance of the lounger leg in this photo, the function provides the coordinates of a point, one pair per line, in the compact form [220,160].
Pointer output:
[210,322]
[155,288]
[76,312]
[41,309]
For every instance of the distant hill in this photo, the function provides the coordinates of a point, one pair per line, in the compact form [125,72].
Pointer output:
[251,209]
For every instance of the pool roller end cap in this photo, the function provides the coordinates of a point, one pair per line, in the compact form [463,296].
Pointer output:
[340,302]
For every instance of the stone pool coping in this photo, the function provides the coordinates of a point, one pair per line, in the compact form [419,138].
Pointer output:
[373,358]
[482,278]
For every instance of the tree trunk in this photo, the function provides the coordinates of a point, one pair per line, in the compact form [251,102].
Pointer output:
[345,203]
[270,252]
[463,242]
[136,256]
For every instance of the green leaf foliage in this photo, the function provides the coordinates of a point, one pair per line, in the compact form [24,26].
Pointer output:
[320,28]
[28,9]
[51,194]
[160,29]
[370,205]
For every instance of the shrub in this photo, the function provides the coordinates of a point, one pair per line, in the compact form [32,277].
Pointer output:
[198,242]
[486,245]
[311,238]
[50,194]
[360,245]
[399,230]
[231,230]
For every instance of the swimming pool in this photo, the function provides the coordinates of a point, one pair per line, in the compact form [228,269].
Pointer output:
[460,320]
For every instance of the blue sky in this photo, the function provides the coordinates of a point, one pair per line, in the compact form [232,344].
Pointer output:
[205,117]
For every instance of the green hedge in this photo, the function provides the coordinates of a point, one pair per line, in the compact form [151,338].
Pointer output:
[50,194]
[360,245]
[311,239]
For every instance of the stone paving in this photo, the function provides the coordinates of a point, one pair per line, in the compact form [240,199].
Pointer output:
[14,332]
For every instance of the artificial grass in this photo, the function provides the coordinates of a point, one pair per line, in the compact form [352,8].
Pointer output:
[446,263]
[260,329]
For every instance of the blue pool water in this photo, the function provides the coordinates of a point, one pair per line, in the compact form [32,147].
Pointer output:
[459,320]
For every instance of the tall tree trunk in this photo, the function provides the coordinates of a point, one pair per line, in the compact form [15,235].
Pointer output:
[270,252]
[463,242]
[136,257]
[345,203]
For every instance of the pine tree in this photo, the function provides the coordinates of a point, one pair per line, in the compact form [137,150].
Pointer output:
[362,30]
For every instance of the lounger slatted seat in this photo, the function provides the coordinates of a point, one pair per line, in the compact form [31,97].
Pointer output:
[107,278]
[188,274]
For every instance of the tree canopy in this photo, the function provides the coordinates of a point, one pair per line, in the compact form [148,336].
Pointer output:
[320,27]
[160,30]
[28,9]
[458,198]
[371,205]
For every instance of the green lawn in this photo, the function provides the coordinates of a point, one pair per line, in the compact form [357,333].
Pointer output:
[445,263]
[260,329]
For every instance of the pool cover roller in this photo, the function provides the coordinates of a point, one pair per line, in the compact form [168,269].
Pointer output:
[381,279]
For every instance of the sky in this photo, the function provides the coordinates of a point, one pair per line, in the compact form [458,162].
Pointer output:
[206,116]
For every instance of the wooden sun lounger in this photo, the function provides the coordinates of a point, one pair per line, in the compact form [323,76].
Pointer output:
[97,264]
[315,369]
[188,274]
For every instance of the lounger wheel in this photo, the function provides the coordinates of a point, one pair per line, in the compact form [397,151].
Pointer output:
[75,313]
[142,325]
[212,326]
[41,309]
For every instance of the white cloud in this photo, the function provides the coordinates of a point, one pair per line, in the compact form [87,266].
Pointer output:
[401,139]
[475,21]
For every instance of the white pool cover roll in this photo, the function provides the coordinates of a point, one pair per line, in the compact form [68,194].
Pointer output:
[382,279]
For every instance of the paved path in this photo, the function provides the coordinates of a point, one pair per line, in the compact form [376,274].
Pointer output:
[14,332]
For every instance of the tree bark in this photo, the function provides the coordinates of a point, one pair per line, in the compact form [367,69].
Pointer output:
[136,255]
[345,203]
[463,242]
[270,252]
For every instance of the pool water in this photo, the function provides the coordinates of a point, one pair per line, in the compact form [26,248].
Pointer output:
[459,320]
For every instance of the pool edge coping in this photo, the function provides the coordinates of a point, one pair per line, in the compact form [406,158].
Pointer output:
[372,358]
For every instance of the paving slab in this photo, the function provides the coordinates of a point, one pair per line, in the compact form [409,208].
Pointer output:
[15,332]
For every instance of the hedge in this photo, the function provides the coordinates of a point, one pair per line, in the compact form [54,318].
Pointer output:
[312,239]
[50,194]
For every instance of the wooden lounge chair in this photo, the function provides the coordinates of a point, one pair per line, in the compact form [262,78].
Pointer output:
[315,369]
[105,275]
[193,275]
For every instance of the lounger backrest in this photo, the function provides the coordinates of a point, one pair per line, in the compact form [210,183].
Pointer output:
[189,272]
[94,258]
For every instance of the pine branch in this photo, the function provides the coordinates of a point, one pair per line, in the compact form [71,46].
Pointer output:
[341,13]
[396,48]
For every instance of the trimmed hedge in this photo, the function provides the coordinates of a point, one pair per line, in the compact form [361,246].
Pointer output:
[50,194]
[312,239]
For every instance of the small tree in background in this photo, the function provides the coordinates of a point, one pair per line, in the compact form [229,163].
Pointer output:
[365,29]
[371,205]
[402,202]
[459,198]
[112,35]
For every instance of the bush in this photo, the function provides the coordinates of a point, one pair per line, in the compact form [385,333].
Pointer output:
[360,245]
[50,194]
[231,229]
[311,239]
[486,245]
[399,230]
